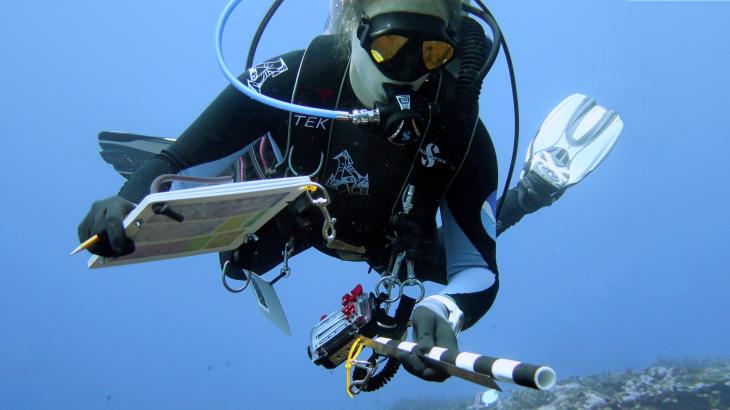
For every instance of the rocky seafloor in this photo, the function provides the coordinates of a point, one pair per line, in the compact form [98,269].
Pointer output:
[667,385]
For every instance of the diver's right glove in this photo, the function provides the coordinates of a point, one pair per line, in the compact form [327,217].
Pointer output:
[436,321]
[105,218]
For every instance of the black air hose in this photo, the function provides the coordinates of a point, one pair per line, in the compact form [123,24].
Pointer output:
[463,106]
[474,48]
[260,32]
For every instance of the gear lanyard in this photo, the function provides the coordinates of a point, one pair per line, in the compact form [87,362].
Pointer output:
[328,234]
[284,272]
[390,281]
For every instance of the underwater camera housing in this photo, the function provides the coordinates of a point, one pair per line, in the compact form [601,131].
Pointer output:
[335,333]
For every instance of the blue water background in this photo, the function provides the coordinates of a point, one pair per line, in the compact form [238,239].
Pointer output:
[629,266]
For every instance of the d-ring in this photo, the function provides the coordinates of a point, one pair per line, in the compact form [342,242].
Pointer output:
[225,281]
[392,281]
[319,167]
[415,282]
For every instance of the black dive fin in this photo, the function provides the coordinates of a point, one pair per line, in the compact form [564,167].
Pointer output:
[127,152]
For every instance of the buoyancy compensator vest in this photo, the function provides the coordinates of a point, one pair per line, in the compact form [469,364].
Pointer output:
[447,107]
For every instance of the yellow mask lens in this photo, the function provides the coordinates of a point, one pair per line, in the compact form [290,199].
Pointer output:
[436,54]
[386,47]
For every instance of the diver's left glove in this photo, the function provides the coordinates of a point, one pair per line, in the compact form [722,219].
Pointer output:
[105,218]
[436,321]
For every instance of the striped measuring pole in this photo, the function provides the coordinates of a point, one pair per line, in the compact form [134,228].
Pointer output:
[483,370]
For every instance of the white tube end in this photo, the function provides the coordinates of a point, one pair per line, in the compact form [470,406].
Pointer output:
[545,378]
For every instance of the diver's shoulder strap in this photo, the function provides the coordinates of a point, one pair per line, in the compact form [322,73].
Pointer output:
[440,156]
[319,84]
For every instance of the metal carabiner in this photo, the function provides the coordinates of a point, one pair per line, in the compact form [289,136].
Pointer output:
[247,281]
[285,270]
[319,202]
[413,281]
[286,253]
[357,386]
[390,280]
[329,233]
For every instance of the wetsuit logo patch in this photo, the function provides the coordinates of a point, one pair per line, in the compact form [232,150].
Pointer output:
[258,75]
[311,122]
[429,156]
[348,177]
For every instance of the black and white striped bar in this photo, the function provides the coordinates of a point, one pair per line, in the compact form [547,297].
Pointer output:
[527,375]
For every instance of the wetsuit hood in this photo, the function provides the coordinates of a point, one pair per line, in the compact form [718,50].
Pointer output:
[366,77]
[436,8]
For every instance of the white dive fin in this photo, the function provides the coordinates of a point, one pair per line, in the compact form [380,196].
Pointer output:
[574,138]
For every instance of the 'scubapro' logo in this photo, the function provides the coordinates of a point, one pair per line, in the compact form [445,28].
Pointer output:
[429,156]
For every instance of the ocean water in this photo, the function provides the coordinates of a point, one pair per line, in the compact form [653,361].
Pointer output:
[627,267]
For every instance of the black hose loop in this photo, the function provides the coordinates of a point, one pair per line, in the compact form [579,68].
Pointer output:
[474,50]
[260,32]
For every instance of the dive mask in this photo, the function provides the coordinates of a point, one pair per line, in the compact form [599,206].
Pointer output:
[406,46]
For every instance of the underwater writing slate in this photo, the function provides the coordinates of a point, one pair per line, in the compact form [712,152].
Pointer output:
[201,220]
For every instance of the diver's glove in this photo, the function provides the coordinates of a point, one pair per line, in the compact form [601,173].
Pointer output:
[106,219]
[436,321]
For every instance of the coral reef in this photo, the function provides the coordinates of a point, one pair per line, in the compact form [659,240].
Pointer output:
[668,385]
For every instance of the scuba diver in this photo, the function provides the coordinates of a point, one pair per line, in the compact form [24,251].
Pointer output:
[410,60]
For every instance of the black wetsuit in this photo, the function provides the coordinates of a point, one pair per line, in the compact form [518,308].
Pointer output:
[364,174]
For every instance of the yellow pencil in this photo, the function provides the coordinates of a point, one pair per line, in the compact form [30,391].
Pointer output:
[94,239]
